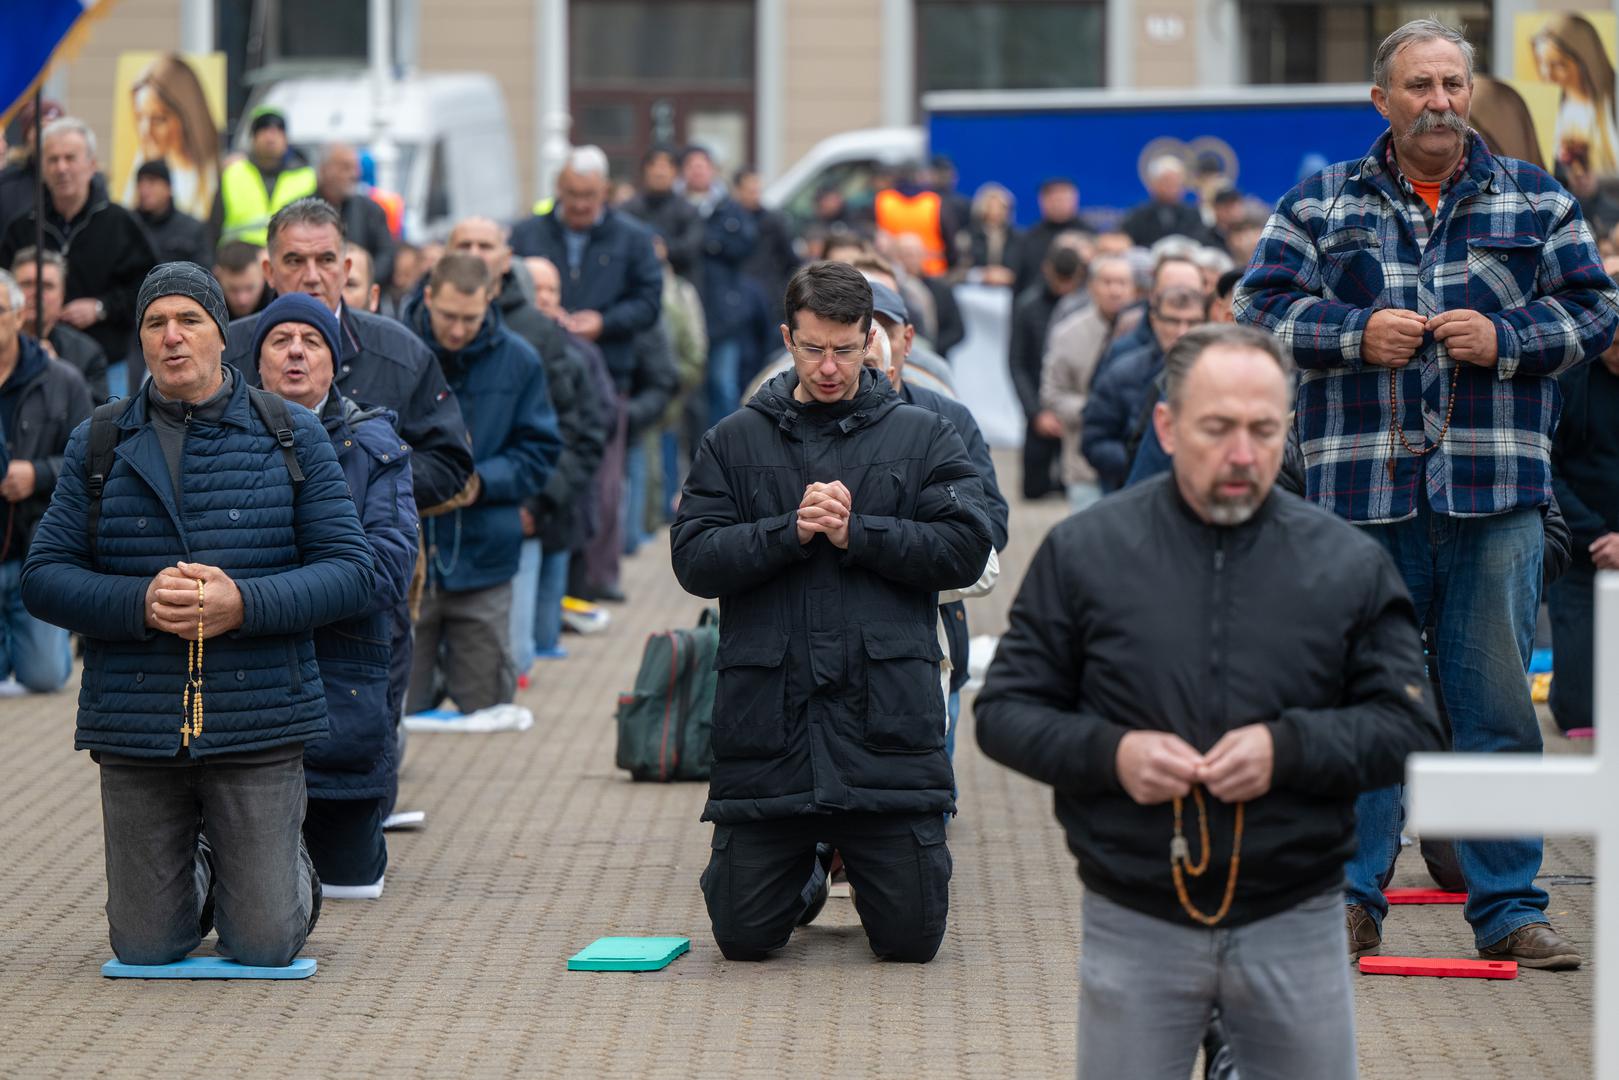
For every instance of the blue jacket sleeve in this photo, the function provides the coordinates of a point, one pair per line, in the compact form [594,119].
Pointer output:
[390,523]
[1104,424]
[520,469]
[641,302]
[335,579]
[58,584]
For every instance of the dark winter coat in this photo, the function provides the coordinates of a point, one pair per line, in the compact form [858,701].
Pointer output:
[676,220]
[48,400]
[1119,390]
[385,365]
[648,389]
[177,237]
[1026,356]
[358,758]
[299,563]
[501,385]
[1585,456]
[729,237]
[1153,220]
[773,261]
[1137,615]
[365,224]
[79,351]
[108,256]
[829,696]
[619,276]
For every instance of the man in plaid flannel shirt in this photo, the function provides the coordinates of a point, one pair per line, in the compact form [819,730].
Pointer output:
[1431,292]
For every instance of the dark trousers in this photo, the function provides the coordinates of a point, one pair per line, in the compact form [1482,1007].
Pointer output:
[263,882]
[899,868]
[1572,601]
[345,840]
[1040,459]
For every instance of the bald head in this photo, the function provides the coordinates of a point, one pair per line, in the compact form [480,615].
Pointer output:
[486,239]
[547,285]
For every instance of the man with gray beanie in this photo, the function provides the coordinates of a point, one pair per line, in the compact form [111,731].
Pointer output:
[200,531]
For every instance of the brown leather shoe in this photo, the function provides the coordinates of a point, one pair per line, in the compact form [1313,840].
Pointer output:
[1535,946]
[1364,937]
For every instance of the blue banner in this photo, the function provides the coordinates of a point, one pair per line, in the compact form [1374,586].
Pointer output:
[33,30]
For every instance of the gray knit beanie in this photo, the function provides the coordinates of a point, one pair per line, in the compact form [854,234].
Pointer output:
[183,279]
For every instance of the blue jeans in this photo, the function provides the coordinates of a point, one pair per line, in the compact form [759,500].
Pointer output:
[525,587]
[633,507]
[553,583]
[1476,583]
[673,472]
[723,380]
[36,652]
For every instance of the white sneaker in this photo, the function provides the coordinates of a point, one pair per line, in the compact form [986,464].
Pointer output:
[353,892]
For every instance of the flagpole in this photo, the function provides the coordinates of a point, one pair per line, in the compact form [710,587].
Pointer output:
[39,211]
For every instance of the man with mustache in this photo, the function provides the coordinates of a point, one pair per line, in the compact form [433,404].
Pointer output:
[1233,723]
[1431,292]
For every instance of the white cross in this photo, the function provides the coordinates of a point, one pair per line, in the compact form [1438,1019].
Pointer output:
[1501,795]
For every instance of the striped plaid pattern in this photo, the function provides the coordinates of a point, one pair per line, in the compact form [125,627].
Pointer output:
[1508,241]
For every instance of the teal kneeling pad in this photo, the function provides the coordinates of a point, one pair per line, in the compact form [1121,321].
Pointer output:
[208,967]
[629,954]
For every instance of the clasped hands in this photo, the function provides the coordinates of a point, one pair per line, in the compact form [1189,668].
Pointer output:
[825,510]
[171,601]
[1156,766]
[1393,336]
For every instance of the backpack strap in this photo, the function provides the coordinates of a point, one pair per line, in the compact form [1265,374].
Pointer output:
[104,437]
[272,409]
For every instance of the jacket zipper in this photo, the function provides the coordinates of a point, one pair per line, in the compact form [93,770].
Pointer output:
[1217,630]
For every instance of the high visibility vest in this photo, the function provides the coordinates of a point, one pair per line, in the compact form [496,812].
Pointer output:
[248,206]
[393,207]
[918,215]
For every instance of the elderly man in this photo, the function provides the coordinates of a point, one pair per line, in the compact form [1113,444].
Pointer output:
[351,774]
[337,180]
[200,513]
[827,515]
[74,347]
[1432,291]
[1074,348]
[612,283]
[1292,681]
[111,253]
[41,401]
[1166,213]
[463,636]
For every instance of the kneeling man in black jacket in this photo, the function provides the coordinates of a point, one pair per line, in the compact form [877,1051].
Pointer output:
[826,516]
[1204,641]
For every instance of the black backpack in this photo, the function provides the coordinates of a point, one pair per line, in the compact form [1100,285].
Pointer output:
[105,434]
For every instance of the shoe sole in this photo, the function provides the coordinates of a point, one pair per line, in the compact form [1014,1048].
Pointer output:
[1374,950]
[1560,962]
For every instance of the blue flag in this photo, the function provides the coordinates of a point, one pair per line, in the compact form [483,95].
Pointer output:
[33,30]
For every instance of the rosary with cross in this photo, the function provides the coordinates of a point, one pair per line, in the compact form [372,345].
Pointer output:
[191,698]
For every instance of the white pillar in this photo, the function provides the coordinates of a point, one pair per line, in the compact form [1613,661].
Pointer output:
[552,123]
[769,85]
[899,63]
[1504,25]
[384,153]
[1121,43]
[1220,50]
[197,26]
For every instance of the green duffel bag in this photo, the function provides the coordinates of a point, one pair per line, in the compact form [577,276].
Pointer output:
[665,722]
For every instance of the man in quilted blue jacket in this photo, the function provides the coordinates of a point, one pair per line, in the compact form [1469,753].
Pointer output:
[199,533]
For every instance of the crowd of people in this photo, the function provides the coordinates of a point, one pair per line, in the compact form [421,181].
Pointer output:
[330,478]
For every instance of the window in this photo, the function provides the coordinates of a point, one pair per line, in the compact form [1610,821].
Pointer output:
[1009,44]
[1334,41]
[642,42]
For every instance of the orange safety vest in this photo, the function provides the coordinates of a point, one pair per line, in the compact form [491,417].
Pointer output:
[393,207]
[919,215]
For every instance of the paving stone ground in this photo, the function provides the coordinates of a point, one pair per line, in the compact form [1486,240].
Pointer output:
[535,845]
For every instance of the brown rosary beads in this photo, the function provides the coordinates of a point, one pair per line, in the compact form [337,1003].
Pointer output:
[1180,856]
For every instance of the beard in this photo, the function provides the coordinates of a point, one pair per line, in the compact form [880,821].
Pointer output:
[1234,509]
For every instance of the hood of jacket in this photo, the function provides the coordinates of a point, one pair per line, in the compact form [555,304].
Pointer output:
[455,362]
[873,400]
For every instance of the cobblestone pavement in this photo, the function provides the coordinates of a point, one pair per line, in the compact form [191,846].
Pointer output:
[535,845]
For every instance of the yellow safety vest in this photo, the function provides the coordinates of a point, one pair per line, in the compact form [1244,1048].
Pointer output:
[248,206]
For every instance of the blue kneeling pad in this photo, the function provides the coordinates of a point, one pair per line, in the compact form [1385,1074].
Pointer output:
[208,967]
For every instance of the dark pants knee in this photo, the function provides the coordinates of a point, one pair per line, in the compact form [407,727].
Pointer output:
[899,867]
[754,887]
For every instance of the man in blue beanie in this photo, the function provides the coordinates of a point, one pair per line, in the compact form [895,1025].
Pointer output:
[196,561]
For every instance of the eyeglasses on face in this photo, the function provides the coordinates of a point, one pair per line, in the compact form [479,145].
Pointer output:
[845,355]
[1175,322]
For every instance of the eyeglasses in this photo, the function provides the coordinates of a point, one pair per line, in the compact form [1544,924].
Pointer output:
[1175,323]
[846,355]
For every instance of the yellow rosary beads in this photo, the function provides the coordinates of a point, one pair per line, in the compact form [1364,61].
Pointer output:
[191,699]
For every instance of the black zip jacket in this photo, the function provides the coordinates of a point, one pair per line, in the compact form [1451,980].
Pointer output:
[829,696]
[1135,614]
[50,399]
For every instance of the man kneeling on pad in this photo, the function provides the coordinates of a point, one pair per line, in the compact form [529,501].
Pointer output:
[1208,671]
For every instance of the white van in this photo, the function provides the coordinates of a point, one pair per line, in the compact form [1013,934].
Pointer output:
[455,148]
[849,161]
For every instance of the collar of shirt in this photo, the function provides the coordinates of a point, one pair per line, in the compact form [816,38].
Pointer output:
[1393,165]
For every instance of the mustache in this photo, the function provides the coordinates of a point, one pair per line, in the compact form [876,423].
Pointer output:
[1430,121]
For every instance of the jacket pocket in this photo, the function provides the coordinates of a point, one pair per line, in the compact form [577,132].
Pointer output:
[1351,266]
[750,704]
[904,700]
[1504,265]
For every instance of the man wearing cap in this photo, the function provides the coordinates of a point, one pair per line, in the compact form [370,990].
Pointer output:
[198,535]
[175,234]
[352,774]
[254,187]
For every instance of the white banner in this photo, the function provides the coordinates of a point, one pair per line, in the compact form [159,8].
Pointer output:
[982,380]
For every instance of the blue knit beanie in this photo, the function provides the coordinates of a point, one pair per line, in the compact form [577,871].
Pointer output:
[297,308]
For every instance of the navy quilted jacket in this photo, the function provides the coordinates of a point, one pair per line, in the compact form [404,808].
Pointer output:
[297,566]
[358,758]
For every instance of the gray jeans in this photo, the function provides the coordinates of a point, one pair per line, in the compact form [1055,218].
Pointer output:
[463,649]
[1147,987]
[157,883]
